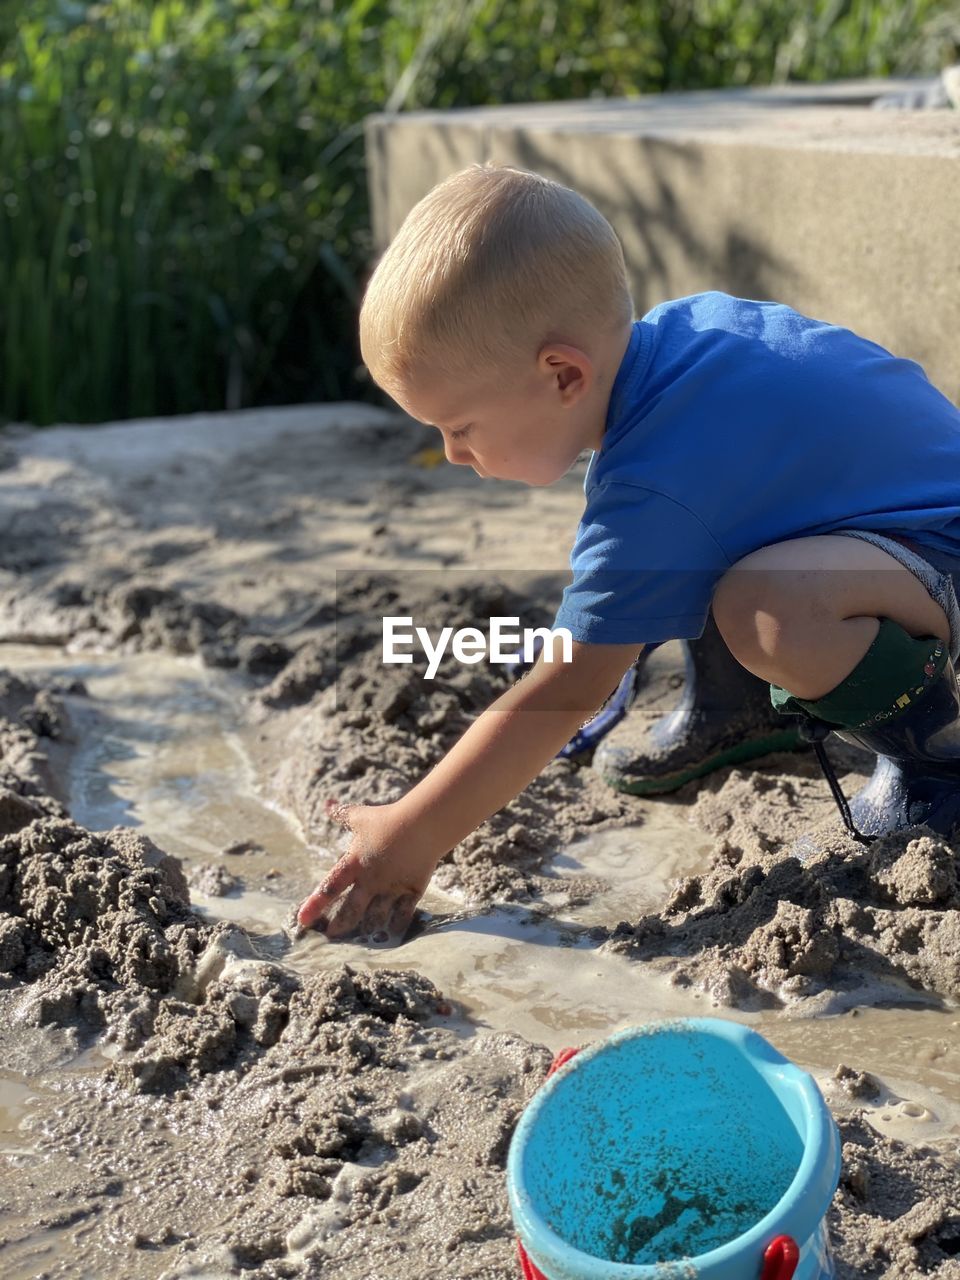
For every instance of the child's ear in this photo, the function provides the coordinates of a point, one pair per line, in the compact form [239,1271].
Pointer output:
[570,366]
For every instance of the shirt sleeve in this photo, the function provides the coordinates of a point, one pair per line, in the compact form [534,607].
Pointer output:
[644,569]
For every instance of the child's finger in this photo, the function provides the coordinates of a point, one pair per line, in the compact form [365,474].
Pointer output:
[311,909]
[377,913]
[402,914]
[348,914]
[341,877]
[338,812]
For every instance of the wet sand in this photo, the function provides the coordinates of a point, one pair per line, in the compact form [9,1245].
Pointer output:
[187,1087]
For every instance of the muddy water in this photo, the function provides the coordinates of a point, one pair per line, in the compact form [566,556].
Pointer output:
[163,747]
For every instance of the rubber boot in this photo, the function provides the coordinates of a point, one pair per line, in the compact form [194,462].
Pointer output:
[917,776]
[581,745]
[724,717]
[584,742]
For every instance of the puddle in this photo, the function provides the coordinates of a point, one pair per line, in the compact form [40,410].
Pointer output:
[18,1098]
[159,748]
[166,756]
[25,1101]
[163,748]
[636,863]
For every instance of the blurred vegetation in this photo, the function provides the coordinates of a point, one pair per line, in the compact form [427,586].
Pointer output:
[183,212]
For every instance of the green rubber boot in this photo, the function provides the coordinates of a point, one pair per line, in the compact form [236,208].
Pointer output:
[901,702]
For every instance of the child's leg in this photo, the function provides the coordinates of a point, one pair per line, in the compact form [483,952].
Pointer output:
[802,614]
[853,640]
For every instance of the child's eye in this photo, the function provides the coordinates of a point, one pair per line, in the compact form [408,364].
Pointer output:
[458,435]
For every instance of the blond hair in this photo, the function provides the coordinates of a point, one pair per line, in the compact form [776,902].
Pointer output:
[488,266]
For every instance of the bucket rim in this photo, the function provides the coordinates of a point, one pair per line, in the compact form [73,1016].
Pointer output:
[798,1212]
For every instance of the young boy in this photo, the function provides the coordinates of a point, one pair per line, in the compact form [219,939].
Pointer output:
[798,481]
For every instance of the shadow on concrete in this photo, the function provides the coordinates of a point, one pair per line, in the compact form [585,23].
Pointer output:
[661,225]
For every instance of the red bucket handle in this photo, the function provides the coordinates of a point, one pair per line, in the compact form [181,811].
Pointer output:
[561,1060]
[780,1259]
[527,1270]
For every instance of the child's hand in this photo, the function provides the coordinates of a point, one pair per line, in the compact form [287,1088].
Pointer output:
[395,847]
[378,881]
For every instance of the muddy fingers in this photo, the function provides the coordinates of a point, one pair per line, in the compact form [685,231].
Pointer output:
[338,812]
[377,914]
[348,913]
[314,909]
[402,914]
[375,885]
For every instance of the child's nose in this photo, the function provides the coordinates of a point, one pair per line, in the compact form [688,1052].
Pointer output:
[457,453]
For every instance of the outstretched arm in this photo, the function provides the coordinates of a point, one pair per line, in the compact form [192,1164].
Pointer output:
[396,847]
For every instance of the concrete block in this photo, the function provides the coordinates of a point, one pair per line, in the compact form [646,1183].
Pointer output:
[796,193]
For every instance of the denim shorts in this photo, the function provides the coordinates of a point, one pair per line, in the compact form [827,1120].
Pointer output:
[939,571]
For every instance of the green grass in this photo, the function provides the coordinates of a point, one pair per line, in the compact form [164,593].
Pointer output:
[183,212]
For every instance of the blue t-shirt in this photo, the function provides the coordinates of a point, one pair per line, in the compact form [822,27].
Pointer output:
[734,424]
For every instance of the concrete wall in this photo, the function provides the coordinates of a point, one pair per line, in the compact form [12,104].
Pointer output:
[799,194]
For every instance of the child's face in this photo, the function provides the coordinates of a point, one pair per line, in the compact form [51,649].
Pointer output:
[531,429]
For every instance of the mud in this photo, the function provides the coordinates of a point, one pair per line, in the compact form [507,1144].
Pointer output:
[897,1210]
[291,1127]
[34,736]
[776,919]
[128,617]
[203,1107]
[339,1128]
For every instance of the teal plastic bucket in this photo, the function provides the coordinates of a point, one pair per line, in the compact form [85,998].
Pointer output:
[672,1151]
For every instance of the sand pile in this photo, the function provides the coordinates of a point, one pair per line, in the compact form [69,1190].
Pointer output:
[130,617]
[34,733]
[338,1129]
[772,919]
[896,1214]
